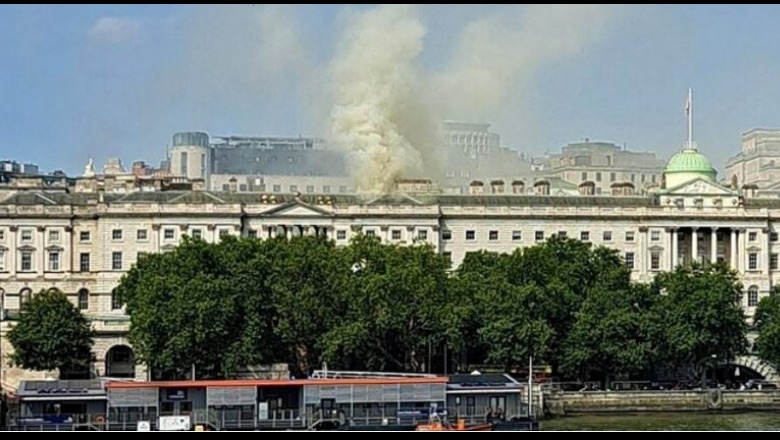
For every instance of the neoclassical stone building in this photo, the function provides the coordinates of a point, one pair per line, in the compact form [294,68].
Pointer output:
[82,240]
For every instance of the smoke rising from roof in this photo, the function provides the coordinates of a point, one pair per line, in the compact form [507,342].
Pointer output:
[386,108]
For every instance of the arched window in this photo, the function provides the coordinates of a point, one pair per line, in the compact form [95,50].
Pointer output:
[116,302]
[753,296]
[24,296]
[83,299]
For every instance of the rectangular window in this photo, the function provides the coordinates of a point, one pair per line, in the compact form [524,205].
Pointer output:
[652,178]
[116,234]
[26,261]
[341,234]
[252,233]
[396,234]
[84,236]
[471,235]
[752,297]
[309,188]
[370,233]
[562,234]
[655,261]
[116,260]
[752,236]
[225,187]
[493,235]
[26,235]
[773,261]
[607,236]
[585,235]
[277,188]
[2,261]
[446,235]
[139,255]
[584,176]
[326,189]
[422,235]
[517,235]
[633,177]
[84,262]
[2,234]
[203,165]
[293,188]
[223,233]
[242,187]
[183,164]
[611,177]
[169,234]
[630,236]
[598,177]
[539,235]
[197,233]
[773,236]
[54,261]
[54,236]
[447,256]
[753,261]
[655,235]
[630,260]
[141,234]
[343,189]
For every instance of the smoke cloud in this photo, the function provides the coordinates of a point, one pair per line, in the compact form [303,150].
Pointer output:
[386,108]
[374,79]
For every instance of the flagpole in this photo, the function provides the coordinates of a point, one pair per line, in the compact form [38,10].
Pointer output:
[689,109]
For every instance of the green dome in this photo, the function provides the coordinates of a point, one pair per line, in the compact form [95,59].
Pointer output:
[690,161]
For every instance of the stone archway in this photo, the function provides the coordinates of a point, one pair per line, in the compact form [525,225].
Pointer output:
[757,365]
[120,362]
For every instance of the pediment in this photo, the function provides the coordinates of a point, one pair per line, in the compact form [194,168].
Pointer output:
[700,187]
[296,208]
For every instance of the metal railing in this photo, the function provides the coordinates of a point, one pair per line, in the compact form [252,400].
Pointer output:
[328,374]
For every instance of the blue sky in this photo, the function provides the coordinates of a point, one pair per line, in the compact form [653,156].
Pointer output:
[117,80]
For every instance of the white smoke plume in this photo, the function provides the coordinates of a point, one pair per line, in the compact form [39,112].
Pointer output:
[386,112]
[374,80]
[497,55]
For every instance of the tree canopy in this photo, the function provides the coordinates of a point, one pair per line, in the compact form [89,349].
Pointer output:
[51,333]
[374,306]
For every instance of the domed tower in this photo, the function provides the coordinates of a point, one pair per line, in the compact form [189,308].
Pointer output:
[688,164]
[191,155]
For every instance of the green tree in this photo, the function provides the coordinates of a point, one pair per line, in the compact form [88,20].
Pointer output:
[615,333]
[306,275]
[51,333]
[190,307]
[394,298]
[767,322]
[703,317]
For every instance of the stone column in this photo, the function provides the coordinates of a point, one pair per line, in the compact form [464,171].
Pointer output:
[733,249]
[695,244]
[675,248]
[41,251]
[668,243]
[765,252]
[741,249]
[643,254]
[714,245]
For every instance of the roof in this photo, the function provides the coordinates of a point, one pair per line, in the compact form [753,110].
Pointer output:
[469,382]
[275,383]
[690,160]
[60,389]
[214,197]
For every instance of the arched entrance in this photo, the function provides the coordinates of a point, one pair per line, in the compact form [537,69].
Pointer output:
[120,362]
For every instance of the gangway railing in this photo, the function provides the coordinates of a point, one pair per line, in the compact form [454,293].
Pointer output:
[331,374]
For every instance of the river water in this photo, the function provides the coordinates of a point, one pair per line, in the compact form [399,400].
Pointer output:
[751,421]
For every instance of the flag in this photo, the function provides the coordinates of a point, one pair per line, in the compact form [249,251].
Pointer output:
[688,104]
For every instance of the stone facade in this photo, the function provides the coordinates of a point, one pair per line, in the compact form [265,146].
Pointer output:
[83,242]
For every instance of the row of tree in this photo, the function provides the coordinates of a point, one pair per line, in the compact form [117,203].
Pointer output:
[372,306]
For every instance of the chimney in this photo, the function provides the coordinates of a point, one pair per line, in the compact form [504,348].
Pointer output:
[233,184]
[476,187]
[518,187]
[497,186]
